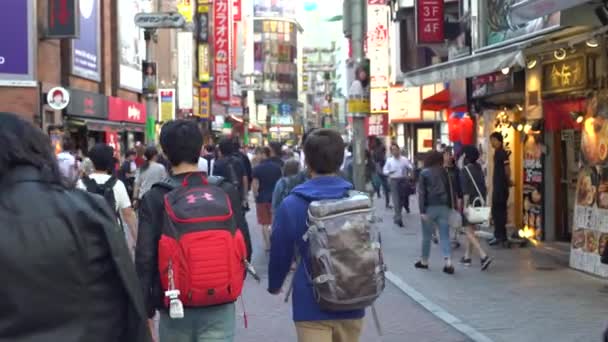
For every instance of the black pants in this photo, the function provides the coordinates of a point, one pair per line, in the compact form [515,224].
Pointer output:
[499,215]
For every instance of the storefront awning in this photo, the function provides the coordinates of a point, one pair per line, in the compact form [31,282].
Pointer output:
[474,65]
[440,101]
[96,125]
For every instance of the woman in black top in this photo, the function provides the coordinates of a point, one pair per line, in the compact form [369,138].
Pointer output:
[473,187]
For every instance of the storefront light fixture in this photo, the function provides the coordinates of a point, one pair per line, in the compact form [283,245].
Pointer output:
[592,43]
[520,127]
[505,71]
[560,54]
[532,63]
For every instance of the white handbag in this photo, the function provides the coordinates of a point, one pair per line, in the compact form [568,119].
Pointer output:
[474,214]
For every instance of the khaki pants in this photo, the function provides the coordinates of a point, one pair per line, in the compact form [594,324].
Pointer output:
[347,330]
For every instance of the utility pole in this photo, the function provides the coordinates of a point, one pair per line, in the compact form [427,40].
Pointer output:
[150,98]
[358,112]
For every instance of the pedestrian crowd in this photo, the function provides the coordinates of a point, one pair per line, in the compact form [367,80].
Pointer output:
[107,245]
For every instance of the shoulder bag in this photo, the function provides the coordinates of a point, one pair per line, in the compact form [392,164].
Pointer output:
[477,214]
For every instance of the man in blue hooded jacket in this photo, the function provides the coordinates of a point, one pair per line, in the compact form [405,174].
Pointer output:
[324,150]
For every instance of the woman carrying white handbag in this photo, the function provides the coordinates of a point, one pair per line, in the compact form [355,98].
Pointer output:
[476,211]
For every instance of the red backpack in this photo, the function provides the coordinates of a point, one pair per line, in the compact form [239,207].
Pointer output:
[201,252]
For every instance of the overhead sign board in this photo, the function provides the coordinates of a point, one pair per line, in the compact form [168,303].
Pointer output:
[58,98]
[159,20]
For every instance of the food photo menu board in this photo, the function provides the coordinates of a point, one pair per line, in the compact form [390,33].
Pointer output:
[590,227]
[533,184]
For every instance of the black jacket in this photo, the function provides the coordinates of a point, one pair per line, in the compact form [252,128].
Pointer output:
[67,273]
[151,211]
[434,188]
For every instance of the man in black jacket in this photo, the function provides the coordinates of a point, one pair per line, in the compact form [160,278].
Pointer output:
[181,141]
[67,272]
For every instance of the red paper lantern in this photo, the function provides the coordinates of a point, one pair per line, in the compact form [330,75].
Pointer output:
[454,128]
[466,130]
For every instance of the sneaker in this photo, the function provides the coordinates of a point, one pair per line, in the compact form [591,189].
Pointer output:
[420,265]
[448,269]
[485,262]
[466,261]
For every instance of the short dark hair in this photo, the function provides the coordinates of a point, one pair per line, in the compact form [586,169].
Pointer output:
[267,152]
[226,146]
[471,154]
[276,147]
[433,159]
[67,144]
[102,156]
[324,150]
[181,140]
[291,167]
[25,144]
[130,153]
[498,136]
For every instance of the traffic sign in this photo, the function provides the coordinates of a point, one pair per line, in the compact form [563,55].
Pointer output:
[159,20]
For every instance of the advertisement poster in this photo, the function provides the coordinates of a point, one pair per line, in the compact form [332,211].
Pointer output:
[533,184]
[221,40]
[132,46]
[149,77]
[166,104]
[379,100]
[185,66]
[275,8]
[499,27]
[186,9]
[18,25]
[85,50]
[378,45]
[590,227]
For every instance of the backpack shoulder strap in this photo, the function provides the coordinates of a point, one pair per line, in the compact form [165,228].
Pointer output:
[111,182]
[89,183]
[167,184]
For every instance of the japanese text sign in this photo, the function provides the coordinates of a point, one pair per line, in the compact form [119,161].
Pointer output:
[221,41]
[429,21]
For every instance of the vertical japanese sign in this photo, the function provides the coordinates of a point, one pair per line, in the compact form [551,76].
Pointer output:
[17,53]
[185,67]
[205,102]
[221,41]
[378,45]
[185,8]
[166,104]
[203,63]
[85,50]
[377,125]
[379,100]
[429,22]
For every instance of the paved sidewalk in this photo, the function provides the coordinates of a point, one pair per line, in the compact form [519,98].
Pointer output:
[270,320]
[513,300]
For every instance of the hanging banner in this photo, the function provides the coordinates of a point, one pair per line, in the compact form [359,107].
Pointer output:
[149,81]
[166,104]
[205,102]
[186,9]
[63,18]
[85,50]
[236,10]
[204,74]
[378,45]
[203,24]
[221,60]
[184,70]
[429,22]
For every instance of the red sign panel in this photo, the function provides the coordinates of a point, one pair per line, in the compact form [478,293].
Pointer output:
[221,41]
[376,2]
[429,19]
[127,111]
[236,10]
[377,125]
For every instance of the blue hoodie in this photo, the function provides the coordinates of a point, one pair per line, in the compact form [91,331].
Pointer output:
[287,231]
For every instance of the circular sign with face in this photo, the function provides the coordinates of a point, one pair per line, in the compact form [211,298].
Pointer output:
[58,98]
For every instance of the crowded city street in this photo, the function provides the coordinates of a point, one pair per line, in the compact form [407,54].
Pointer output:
[304,170]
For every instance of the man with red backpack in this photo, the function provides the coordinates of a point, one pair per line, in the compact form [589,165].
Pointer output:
[192,248]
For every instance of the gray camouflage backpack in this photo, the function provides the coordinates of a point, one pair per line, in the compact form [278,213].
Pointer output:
[346,263]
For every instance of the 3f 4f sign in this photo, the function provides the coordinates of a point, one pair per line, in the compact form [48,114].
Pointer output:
[429,22]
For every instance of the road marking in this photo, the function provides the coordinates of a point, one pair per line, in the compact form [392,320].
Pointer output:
[436,310]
